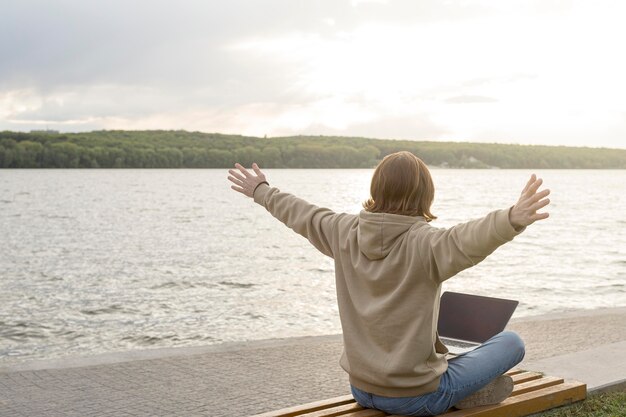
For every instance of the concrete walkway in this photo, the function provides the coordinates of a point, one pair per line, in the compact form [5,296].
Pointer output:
[252,377]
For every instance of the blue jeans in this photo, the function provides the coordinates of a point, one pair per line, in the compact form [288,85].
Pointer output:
[466,374]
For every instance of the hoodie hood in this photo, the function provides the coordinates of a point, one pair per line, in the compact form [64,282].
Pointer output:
[378,232]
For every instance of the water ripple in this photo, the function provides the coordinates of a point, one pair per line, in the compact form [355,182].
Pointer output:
[96,261]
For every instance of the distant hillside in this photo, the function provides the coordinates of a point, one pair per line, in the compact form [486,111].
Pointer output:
[182,149]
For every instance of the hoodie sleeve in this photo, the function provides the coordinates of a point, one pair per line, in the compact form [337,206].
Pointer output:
[446,252]
[313,222]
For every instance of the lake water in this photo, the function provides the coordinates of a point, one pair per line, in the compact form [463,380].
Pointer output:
[99,261]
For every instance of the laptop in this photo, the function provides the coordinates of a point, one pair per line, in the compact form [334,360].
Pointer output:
[467,321]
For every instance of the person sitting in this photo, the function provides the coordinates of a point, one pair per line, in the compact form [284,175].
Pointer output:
[390,263]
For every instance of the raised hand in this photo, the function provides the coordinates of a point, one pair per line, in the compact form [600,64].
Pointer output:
[245,182]
[524,212]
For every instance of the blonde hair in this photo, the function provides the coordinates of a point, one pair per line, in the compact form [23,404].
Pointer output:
[401,184]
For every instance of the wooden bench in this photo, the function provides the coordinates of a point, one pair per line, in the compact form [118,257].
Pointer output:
[532,393]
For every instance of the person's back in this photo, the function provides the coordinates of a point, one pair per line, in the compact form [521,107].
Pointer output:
[389,270]
[389,266]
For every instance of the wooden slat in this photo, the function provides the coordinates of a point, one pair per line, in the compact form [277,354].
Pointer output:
[309,407]
[530,402]
[514,371]
[535,384]
[525,377]
[367,412]
[339,410]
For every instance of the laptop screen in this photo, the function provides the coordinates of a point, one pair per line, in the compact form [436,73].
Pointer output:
[473,317]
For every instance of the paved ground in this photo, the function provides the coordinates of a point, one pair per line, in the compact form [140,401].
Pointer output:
[252,377]
[597,366]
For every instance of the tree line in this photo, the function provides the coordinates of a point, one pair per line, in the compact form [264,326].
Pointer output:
[182,149]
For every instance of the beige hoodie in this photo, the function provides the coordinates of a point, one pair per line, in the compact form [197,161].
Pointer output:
[388,270]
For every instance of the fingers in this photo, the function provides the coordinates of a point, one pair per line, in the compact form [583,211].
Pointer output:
[242,169]
[244,181]
[236,181]
[245,172]
[236,175]
[524,212]
[530,181]
[241,190]
[256,169]
[539,196]
[539,216]
[532,189]
[540,204]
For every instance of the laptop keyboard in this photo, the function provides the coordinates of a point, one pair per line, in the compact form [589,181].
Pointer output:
[457,343]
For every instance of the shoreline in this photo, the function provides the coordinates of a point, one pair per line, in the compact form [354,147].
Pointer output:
[519,324]
[252,377]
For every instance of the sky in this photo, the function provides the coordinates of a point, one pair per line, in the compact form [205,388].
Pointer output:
[528,72]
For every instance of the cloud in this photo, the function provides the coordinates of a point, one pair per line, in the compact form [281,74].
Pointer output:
[68,42]
[383,69]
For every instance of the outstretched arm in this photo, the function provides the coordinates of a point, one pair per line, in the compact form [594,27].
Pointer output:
[313,222]
[446,252]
